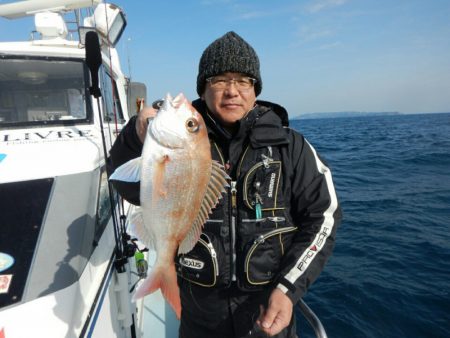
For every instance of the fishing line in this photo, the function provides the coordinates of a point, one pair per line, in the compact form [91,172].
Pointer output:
[119,225]
[114,106]
[94,62]
[117,233]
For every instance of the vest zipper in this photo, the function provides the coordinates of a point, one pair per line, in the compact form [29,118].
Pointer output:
[214,257]
[212,252]
[233,229]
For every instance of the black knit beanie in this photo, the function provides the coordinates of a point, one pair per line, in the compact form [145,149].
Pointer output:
[229,53]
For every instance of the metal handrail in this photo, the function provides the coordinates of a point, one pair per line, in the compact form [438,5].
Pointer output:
[313,320]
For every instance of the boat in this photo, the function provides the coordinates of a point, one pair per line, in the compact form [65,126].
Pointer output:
[66,264]
[68,268]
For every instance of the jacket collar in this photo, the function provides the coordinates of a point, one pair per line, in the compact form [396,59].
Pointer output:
[264,124]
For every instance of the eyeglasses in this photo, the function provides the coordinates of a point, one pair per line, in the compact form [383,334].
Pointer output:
[222,82]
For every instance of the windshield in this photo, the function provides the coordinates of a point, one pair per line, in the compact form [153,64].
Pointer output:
[43,91]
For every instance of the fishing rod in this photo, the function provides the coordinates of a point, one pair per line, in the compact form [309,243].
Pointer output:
[123,249]
[94,61]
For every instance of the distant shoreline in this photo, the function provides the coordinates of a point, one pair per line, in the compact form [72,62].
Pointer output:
[308,116]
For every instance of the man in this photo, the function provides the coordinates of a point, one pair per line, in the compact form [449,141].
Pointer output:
[270,236]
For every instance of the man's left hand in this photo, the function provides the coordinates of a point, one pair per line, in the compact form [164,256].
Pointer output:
[278,314]
[142,121]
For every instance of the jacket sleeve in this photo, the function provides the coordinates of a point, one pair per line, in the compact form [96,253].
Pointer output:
[316,212]
[126,147]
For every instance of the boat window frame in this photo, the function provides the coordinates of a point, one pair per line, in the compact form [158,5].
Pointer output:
[103,207]
[110,95]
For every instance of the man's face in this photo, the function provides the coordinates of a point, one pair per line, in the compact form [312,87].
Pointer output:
[229,101]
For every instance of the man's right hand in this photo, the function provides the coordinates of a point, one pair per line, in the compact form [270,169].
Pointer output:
[142,121]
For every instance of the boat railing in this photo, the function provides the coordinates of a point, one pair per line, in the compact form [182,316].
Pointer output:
[312,319]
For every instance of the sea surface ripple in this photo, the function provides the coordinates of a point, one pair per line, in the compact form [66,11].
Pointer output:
[389,275]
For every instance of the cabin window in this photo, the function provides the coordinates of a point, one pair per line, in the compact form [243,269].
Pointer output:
[36,91]
[111,99]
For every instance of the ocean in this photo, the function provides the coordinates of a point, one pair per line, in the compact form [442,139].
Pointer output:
[389,275]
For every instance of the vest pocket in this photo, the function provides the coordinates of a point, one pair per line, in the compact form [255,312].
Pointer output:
[202,264]
[262,255]
[261,187]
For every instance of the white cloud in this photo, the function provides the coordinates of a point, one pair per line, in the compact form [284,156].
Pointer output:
[320,5]
[330,45]
[247,11]
[215,2]
[253,15]
[308,34]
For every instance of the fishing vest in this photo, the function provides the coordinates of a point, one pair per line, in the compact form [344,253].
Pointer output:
[247,234]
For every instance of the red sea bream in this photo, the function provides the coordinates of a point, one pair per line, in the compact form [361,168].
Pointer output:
[179,185]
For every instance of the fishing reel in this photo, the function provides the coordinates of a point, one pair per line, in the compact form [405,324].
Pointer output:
[131,249]
[141,264]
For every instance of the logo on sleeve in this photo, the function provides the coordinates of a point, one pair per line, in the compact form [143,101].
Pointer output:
[313,249]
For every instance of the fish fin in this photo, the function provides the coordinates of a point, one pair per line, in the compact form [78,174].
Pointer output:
[167,103]
[216,187]
[128,172]
[179,100]
[164,278]
[138,229]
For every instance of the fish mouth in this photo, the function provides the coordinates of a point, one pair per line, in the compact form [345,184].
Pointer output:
[172,126]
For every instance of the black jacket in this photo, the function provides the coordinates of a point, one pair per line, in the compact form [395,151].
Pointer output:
[276,225]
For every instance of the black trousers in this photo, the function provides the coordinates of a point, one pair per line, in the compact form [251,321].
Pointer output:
[223,313]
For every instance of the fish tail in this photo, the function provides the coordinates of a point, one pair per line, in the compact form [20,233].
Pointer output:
[166,280]
[170,290]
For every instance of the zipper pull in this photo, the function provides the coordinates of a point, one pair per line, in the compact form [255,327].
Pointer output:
[266,160]
[213,256]
[260,239]
[258,201]
[233,194]
[276,219]
[212,250]
[258,211]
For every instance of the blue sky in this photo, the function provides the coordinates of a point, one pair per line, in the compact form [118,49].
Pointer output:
[316,55]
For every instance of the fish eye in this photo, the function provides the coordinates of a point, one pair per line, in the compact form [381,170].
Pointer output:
[192,125]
